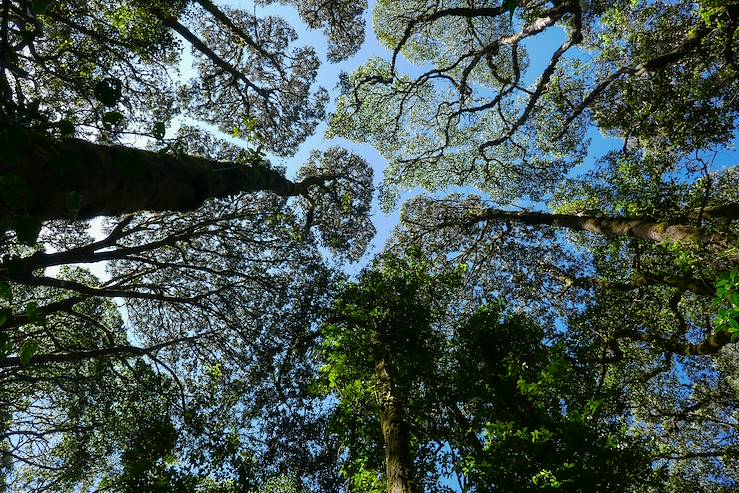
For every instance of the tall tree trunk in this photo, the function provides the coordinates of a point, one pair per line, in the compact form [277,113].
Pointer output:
[40,174]
[610,226]
[398,461]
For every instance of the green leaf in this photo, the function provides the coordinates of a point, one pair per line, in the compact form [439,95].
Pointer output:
[66,128]
[510,6]
[74,201]
[112,119]
[346,203]
[16,192]
[250,124]
[28,349]
[5,314]
[6,292]
[159,130]
[27,228]
[735,337]
[109,91]
[35,314]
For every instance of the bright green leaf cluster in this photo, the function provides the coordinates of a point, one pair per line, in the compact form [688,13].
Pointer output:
[727,294]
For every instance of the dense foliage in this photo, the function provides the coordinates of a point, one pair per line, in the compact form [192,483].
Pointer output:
[546,315]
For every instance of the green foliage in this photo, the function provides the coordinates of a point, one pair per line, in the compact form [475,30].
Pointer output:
[34,314]
[545,391]
[389,313]
[521,413]
[341,218]
[112,119]
[366,481]
[540,424]
[727,298]
[342,22]
[27,350]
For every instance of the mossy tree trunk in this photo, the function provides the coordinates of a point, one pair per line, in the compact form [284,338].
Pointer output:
[117,180]
[395,433]
[643,228]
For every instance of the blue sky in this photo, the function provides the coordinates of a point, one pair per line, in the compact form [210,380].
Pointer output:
[539,47]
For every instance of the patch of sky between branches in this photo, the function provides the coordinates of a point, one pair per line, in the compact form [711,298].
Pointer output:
[541,48]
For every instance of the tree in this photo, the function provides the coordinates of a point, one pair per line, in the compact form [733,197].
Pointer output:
[583,346]
[658,74]
[678,235]
[604,256]
[67,414]
[212,251]
[225,350]
[467,391]
[646,311]
[275,107]
[341,20]
[121,58]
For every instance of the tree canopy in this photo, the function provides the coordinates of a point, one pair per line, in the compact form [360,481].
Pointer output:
[180,311]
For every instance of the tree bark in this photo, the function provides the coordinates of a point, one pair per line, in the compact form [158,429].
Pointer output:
[645,229]
[398,462]
[117,180]
[121,351]
[712,344]
[642,279]
[728,211]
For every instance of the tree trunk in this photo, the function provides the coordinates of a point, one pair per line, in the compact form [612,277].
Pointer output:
[611,226]
[398,462]
[41,173]
[728,211]
[641,279]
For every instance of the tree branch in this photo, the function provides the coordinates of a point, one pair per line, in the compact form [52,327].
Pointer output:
[74,356]
[117,180]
